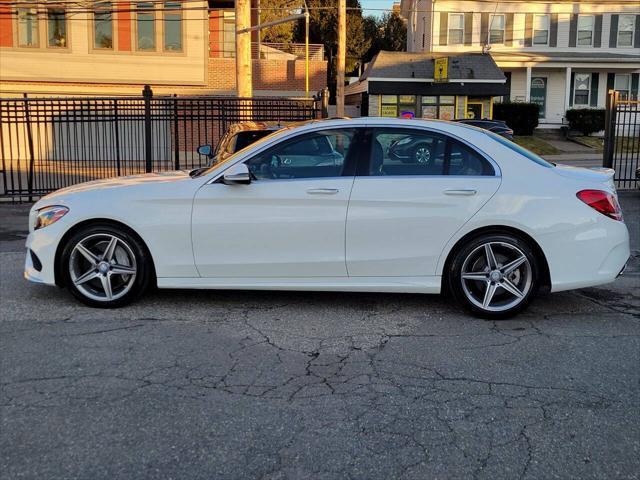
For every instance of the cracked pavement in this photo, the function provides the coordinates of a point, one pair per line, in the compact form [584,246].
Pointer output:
[285,385]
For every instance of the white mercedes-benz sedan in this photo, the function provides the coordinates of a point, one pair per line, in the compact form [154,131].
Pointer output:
[369,204]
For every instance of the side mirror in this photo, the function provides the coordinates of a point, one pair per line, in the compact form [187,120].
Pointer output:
[205,150]
[237,174]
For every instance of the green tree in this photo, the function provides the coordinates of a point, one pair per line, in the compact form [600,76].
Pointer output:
[323,28]
[395,33]
[373,30]
[271,10]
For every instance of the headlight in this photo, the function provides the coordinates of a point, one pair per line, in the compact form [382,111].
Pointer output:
[48,215]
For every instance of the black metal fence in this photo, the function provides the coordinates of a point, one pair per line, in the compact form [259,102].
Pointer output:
[622,139]
[50,143]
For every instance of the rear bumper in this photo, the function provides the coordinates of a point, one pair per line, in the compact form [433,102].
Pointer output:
[592,255]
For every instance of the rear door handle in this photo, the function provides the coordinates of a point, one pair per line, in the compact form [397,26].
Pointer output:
[460,192]
[322,191]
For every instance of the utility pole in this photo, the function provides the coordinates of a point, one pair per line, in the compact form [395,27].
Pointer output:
[244,81]
[342,55]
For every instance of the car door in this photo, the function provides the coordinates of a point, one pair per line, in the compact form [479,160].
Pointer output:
[288,222]
[418,188]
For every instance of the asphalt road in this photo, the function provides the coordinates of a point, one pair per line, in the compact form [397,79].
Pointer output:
[316,386]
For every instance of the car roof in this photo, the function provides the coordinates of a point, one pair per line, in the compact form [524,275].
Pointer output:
[440,125]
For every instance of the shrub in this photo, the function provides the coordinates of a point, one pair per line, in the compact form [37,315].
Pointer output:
[521,117]
[586,120]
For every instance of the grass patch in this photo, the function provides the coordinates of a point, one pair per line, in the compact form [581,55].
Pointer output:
[594,142]
[536,145]
[623,144]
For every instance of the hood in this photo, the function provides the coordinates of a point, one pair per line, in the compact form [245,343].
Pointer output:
[121,182]
[593,175]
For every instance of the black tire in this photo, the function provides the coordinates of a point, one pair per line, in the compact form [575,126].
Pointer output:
[472,289]
[126,246]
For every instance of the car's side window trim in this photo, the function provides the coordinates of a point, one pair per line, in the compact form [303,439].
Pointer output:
[363,166]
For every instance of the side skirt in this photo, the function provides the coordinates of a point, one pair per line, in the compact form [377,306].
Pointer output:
[429,284]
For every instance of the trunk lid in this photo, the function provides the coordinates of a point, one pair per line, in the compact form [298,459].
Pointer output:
[592,175]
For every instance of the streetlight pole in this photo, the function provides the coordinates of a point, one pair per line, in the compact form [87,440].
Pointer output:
[342,54]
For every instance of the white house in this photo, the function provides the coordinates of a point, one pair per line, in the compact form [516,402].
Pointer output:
[560,55]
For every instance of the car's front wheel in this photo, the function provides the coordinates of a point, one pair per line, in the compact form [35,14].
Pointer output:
[494,276]
[105,266]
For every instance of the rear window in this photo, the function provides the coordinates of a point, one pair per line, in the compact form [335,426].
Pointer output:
[521,150]
[244,139]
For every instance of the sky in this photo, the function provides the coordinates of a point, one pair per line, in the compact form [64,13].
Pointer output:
[375,4]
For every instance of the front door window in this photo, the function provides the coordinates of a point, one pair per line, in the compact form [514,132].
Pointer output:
[314,155]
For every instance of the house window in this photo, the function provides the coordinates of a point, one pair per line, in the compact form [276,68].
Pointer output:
[456,28]
[229,36]
[626,27]
[585,30]
[540,29]
[145,26]
[27,27]
[103,25]
[581,89]
[173,27]
[56,27]
[496,30]
[623,84]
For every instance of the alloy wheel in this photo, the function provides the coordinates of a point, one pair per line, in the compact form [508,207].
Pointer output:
[422,155]
[102,267]
[496,276]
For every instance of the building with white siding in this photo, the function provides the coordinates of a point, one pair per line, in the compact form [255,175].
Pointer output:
[560,54]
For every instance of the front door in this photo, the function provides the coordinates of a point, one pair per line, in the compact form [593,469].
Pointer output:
[420,188]
[538,94]
[288,222]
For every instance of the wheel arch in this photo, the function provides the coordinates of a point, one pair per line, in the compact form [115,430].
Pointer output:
[545,274]
[57,268]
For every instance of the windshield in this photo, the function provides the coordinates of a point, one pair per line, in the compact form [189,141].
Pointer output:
[521,150]
[231,157]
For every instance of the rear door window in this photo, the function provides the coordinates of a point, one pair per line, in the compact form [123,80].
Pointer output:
[396,152]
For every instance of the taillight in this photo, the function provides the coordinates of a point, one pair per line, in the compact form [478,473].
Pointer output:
[604,202]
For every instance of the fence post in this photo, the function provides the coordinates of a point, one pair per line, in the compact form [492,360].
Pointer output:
[147,94]
[27,119]
[324,97]
[116,122]
[610,129]
[176,134]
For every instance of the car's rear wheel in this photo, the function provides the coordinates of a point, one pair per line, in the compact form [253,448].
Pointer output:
[494,276]
[105,266]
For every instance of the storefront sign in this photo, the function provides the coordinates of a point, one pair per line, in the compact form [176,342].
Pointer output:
[440,69]
[389,111]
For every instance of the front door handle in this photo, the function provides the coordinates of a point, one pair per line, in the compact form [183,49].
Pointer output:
[461,192]
[322,191]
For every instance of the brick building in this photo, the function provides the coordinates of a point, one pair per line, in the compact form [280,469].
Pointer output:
[116,47]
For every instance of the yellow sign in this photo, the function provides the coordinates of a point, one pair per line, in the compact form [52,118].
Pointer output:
[389,111]
[440,69]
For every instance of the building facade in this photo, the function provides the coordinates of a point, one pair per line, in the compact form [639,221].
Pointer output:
[429,86]
[116,47]
[560,55]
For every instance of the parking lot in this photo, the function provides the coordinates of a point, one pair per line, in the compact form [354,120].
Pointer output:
[280,385]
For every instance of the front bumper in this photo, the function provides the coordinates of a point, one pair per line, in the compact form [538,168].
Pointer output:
[44,244]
